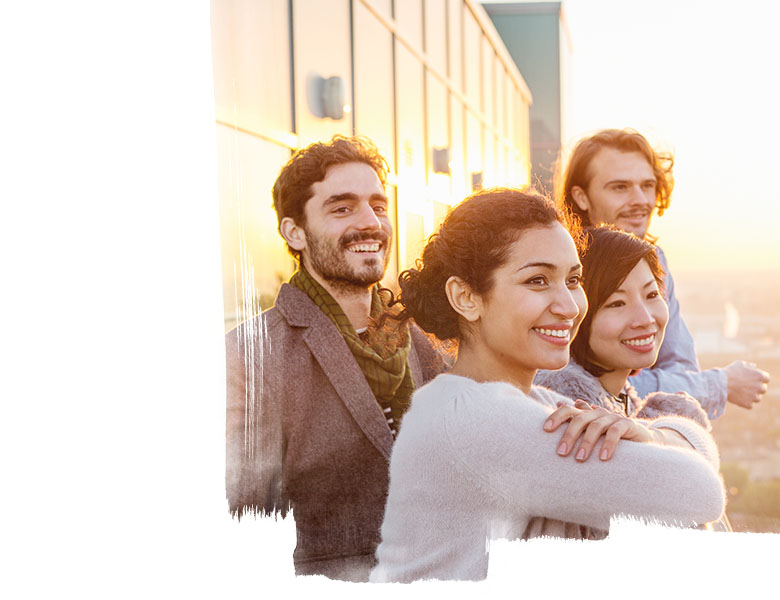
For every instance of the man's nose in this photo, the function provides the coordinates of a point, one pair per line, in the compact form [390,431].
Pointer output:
[638,195]
[367,218]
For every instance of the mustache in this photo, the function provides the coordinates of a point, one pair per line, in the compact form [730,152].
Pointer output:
[379,235]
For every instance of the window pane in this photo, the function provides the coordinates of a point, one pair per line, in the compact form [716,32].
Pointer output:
[250,49]
[488,81]
[435,34]
[411,149]
[408,18]
[455,23]
[373,110]
[474,149]
[317,56]
[472,45]
[460,187]
[254,257]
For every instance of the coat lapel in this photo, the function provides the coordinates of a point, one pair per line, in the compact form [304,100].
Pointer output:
[334,357]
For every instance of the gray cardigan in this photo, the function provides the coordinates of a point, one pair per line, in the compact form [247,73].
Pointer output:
[575,382]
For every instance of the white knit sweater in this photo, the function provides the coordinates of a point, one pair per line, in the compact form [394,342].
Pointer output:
[472,463]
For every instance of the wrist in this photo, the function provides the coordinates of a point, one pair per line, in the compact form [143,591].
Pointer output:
[645,434]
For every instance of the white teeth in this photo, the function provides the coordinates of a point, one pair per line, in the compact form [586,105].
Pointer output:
[364,248]
[641,342]
[560,333]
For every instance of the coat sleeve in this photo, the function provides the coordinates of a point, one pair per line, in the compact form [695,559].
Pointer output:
[255,444]
[677,368]
[508,455]
[433,360]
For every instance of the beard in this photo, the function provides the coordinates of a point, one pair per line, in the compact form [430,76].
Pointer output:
[329,260]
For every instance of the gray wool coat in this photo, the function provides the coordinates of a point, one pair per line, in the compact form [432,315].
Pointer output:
[304,431]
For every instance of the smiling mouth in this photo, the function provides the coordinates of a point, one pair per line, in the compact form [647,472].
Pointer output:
[365,247]
[643,344]
[554,336]
[636,215]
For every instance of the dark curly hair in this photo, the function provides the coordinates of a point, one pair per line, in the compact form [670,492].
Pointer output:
[472,242]
[309,165]
[608,255]
[578,173]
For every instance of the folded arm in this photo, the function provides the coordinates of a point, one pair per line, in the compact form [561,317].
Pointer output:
[520,465]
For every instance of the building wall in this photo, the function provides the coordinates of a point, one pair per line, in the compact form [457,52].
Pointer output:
[418,75]
[536,37]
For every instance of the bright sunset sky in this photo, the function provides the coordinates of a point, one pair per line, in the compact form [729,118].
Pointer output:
[698,78]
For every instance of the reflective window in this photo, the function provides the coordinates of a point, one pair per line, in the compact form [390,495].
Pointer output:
[436,115]
[474,164]
[436,34]
[318,57]
[254,257]
[410,123]
[373,111]
[501,100]
[455,23]
[409,20]
[472,40]
[488,81]
[250,49]
[383,7]
[491,176]
[460,187]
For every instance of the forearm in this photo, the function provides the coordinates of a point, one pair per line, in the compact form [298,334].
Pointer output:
[684,433]
[708,387]
[671,484]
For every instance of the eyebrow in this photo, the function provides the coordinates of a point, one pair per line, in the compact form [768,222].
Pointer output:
[351,196]
[648,284]
[550,266]
[611,181]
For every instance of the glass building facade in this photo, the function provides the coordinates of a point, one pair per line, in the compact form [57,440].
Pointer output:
[418,77]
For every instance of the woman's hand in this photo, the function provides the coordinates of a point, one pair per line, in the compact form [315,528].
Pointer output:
[589,424]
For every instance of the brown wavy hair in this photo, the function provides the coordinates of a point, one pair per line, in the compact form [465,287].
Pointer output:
[472,242]
[309,165]
[577,173]
[608,255]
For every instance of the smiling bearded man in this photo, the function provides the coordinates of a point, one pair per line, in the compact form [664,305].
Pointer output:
[318,384]
[615,177]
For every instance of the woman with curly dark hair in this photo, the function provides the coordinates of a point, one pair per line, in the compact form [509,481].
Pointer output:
[476,457]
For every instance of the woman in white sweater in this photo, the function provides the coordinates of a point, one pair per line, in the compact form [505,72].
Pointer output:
[476,457]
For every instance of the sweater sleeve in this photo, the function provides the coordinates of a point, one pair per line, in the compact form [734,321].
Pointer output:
[506,452]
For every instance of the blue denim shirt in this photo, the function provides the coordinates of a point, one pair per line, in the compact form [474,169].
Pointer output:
[677,369]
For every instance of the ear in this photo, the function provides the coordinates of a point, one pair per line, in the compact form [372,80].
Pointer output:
[464,301]
[580,198]
[293,234]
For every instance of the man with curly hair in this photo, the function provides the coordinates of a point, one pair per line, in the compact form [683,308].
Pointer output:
[318,384]
[616,177]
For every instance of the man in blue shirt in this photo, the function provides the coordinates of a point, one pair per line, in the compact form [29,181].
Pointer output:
[616,177]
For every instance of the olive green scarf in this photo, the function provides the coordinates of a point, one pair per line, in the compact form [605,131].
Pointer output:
[381,352]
